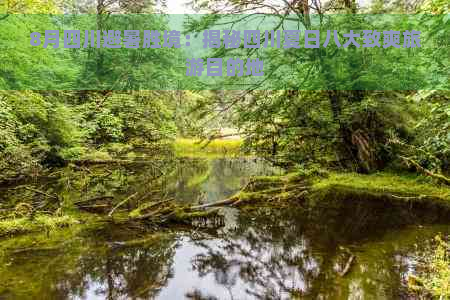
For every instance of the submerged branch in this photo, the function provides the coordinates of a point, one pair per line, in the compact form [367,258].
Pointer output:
[347,267]
[229,201]
[121,203]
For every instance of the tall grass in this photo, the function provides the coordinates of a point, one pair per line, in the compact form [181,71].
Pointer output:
[197,147]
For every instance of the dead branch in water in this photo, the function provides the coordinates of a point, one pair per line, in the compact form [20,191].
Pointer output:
[347,266]
[229,201]
[121,203]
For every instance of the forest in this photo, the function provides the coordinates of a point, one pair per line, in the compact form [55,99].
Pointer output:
[121,178]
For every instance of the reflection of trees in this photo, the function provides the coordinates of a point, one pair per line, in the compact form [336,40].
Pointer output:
[210,179]
[117,181]
[221,178]
[270,255]
[278,255]
[270,259]
[114,271]
[181,178]
[104,181]
[130,273]
[183,183]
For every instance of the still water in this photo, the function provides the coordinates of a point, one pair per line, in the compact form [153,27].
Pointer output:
[297,253]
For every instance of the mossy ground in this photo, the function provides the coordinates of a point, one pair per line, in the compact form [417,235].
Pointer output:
[404,186]
[316,187]
[42,223]
[278,190]
[386,182]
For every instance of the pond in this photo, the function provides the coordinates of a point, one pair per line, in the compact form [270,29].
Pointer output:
[301,252]
[189,180]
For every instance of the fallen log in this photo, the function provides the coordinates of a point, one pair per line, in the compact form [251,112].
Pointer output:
[439,177]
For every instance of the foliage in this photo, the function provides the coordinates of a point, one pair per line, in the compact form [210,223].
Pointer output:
[435,280]
[350,124]
[433,132]
[42,128]
[439,281]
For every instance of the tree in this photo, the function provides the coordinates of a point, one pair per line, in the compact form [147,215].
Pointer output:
[360,118]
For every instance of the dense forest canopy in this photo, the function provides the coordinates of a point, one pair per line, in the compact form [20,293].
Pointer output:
[326,178]
[358,129]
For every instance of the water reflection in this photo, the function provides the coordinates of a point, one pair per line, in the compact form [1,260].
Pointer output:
[209,180]
[301,252]
[184,179]
[89,268]
[264,255]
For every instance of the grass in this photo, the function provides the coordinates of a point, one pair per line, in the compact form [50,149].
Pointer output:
[197,147]
[16,226]
[384,183]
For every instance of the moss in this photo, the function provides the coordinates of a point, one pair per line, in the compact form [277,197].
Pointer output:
[273,191]
[261,183]
[383,184]
[16,226]
[197,147]
[313,171]
[321,185]
[184,216]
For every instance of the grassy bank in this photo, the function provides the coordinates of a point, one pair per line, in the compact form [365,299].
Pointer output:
[197,147]
[388,185]
[405,190]
[293,187]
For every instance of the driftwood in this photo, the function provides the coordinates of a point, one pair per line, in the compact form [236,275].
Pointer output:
[168,210]
[94,206]
[5,182]
[159,203]
[409,198]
